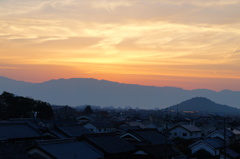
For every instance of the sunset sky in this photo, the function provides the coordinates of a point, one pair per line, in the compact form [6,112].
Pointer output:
[189,44]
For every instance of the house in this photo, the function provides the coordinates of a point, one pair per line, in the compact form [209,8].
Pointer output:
[11,151]
[72,131]
[141,124]
[181,119]
[100,127]
[64,112]
[144,136]
[84,119]
[150,143]
[185,131]
[64,149]
[111,145]
[211,145]
[160,151]
[122,129]
[228,135]
[236,133]
[17,131]
[212,148]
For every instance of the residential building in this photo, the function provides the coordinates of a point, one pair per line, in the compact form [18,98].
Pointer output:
[185,131]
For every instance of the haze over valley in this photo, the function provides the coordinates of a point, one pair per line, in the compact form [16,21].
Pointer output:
[81,91]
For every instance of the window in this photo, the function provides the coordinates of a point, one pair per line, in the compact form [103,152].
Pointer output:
[184,134]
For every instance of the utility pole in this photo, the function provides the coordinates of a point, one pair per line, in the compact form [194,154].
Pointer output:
[167,120]
[224,132]
[177,109]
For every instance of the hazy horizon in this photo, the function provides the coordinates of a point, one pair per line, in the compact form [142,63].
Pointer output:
[81,91]
[114,82]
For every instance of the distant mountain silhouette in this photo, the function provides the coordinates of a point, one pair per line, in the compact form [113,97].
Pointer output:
[202,104]
[7,83]
[82,91]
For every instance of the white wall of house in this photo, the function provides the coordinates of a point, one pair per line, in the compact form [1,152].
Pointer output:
[91,127]
[183,133]
[94,129]
[105,130]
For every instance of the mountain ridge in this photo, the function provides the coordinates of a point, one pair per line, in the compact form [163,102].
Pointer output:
[203,104]
[80,91]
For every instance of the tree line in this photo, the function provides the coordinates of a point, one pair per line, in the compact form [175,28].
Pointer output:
[12,106]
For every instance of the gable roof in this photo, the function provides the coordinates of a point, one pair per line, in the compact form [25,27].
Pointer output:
[188,127]
[74,130]
[229,133]
[18,130]
[109,143]
[160,150]
[84,117]
[149,136]
[215,143]
[69,148]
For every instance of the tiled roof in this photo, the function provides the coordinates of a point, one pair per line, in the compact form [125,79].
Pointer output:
[151,136]
[160,151]
[232,153]
[69,149]
[58,134]
[214,142]
[10,151]
[191,128]
[229,133]
[74,130]
[102,124]
[17,130]
[109,143]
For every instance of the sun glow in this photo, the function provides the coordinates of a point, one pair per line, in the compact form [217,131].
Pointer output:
[163,43]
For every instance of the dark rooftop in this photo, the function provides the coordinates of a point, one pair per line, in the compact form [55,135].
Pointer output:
[102,124]
[150,136]
[160,150]
[109,143]
[188,127]
[74,130]
[213,142]
[18,130]
[69,149]
[10,151]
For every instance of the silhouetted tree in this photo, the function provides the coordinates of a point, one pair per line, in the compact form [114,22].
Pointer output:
[88,110]
[44,110]
[12,106]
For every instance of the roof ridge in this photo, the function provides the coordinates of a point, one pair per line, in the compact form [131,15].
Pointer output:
[55,141]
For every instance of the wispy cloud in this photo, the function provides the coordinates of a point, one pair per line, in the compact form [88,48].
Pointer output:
[138,36]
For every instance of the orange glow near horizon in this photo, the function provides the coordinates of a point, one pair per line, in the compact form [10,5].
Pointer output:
[191,45]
